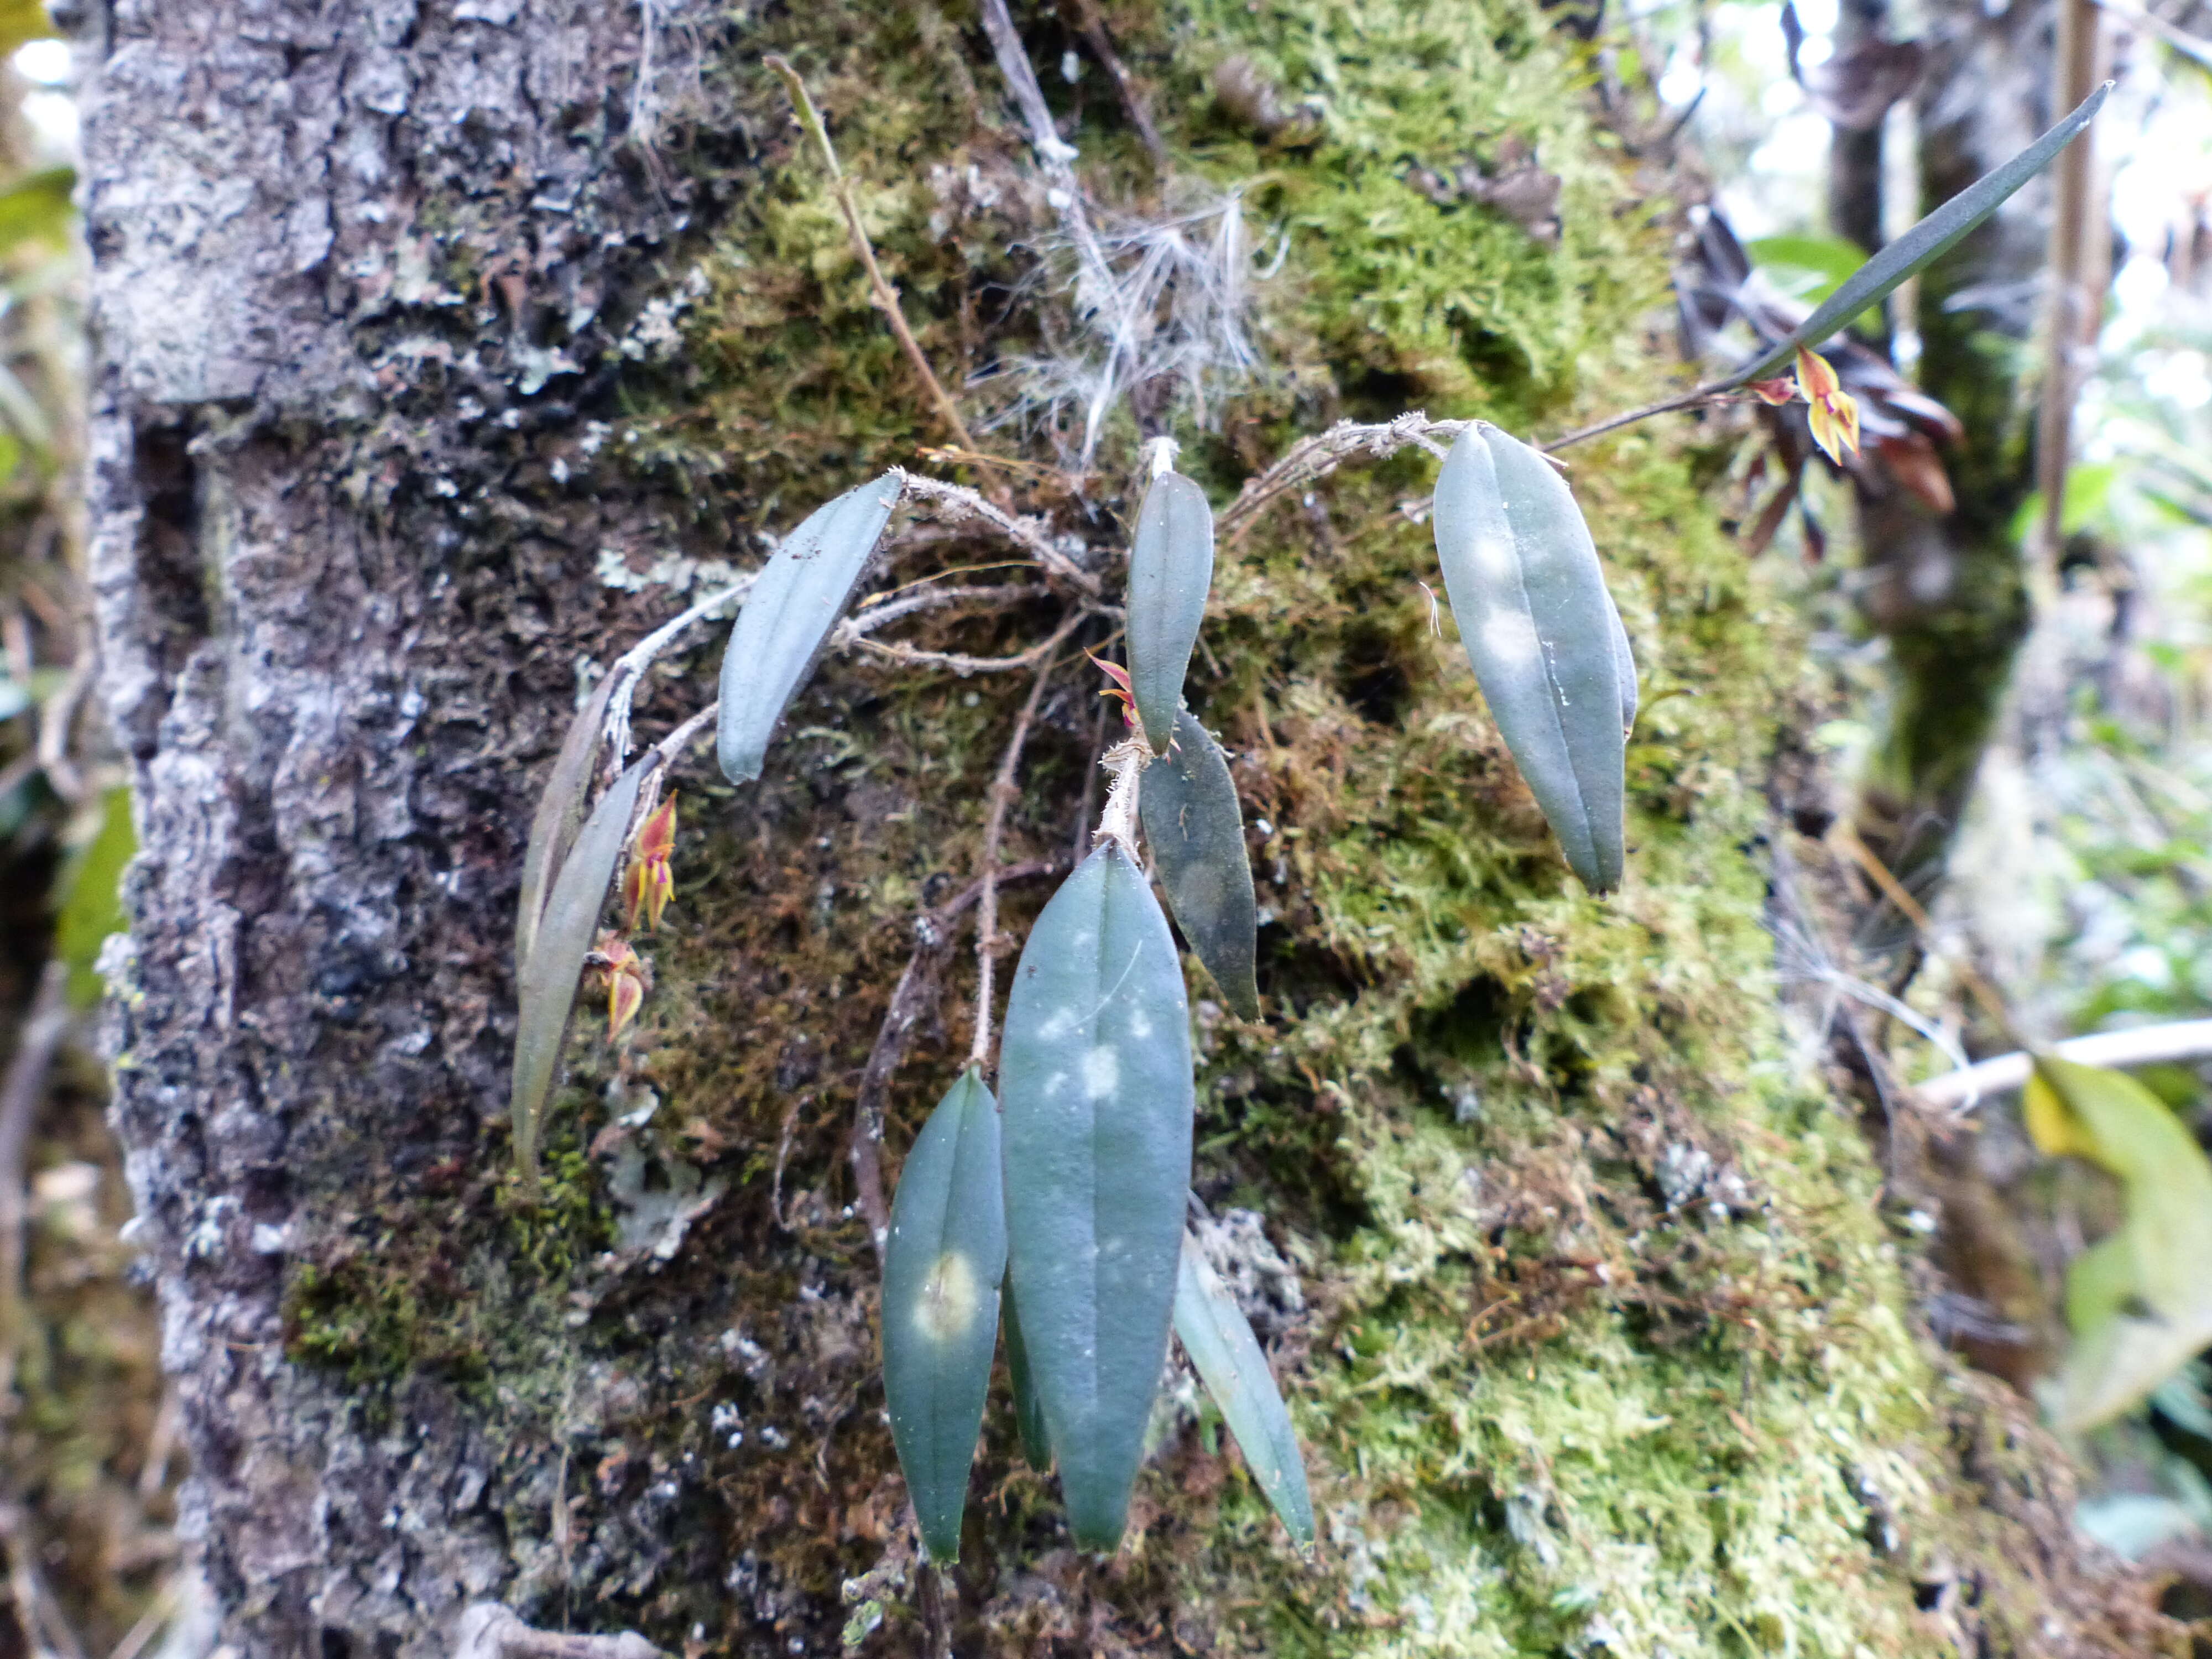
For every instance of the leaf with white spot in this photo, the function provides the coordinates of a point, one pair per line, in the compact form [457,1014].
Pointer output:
[560,812]
[1171,568]
[1196,831]
[556,965]
[2139,1302]
[1218,1339]
[1095,1076]
[942,1265]
[1543,637]
[789,611]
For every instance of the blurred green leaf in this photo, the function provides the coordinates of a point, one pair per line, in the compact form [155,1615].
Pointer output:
[90,897]
[22,20]
[1807,267]
[37,208]
[2139,1302]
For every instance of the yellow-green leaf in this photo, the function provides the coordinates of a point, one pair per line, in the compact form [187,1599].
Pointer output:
[2140,1302]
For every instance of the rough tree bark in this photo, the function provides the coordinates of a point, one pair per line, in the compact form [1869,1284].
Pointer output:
[437,343]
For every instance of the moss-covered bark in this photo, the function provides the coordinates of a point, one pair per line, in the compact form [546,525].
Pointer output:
[1600,1337]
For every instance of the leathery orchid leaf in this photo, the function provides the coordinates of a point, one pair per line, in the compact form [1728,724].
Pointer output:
[1543,637]
[788,613]
[1227,1356]
[1195,830]
[555,965]
[1028,1416]
[943,1262]
[1171,568]
[1095,1079]
[560,813]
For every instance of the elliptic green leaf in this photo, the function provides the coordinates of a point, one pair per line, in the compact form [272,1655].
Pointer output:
[1170,567]
[794,604]
[1218,1339]
[943,1263]
[1095,1075]
[1926,242]
[2140,1301]
[556,963]
[1543,637]
[1028,1415]
[1188,803]
[560,811]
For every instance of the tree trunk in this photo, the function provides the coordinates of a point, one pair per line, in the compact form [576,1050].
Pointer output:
[440,347]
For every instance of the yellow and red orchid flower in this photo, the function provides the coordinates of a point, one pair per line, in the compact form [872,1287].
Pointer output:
[649,885]
[1833,412]
[628,977]
[1122,688]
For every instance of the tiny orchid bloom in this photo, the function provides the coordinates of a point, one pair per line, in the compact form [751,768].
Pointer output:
[1833,413]
[649,884]
[1777,392]
[1122,688]
[628,977]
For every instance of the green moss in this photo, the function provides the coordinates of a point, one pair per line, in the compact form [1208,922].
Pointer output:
[1558,1394]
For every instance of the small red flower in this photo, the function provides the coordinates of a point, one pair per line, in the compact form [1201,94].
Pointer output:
[649,884]
[628,977]
[1122,688]
[1833,413]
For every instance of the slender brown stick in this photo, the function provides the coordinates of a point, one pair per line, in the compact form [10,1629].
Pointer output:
[1689,399]
[916,994]
[994,822]
[1847,839]
[1093,28]
[37,1042]
[1026,533]
[2078,276]
[490,1631]
[2143,1045]
[887,299]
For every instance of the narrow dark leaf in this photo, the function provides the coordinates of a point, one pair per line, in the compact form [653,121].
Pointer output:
[560,810]
[1926,243]
[1095,1075]
[1541,632]
[943,1263]
[1170,567]
[1028,1415]
[1624,666]
[549,978]
[1218,1339]
[794,604]
[1192,823]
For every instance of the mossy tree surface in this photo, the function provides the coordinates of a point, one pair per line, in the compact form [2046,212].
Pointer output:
[1604,1342]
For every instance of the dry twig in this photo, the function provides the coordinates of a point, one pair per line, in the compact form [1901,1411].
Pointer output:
[489,1630]
[994,822]
[915,994]
[40,1039]
[886,296]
